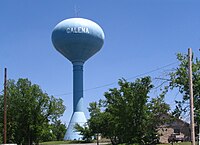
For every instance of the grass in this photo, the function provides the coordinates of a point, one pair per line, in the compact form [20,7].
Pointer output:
[71,142]
[60,142]
[54,142]
[180,143]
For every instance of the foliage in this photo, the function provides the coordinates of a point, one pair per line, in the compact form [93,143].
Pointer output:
[179,79]
[158,108]
[58,129]
[127,109]
[126,116]
[180,143]
[1,133]
[30,112]
[85,131]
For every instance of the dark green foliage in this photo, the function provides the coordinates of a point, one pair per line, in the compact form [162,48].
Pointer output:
[127,106]
[1,133]
[30,113]
[157,112]
[58,129]
[85,131]
[179,79]
[126,116]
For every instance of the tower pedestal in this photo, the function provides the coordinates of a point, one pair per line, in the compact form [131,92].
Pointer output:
[72,134]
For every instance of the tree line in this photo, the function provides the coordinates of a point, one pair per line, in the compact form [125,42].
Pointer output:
[127,114]
[32,115]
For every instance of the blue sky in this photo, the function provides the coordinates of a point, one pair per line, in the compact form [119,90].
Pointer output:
[140,36]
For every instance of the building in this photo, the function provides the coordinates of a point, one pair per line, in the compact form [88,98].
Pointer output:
[173,127]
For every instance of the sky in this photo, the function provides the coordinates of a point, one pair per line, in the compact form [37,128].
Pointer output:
[142,37]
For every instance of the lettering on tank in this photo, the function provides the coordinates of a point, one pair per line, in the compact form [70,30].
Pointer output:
[77,30]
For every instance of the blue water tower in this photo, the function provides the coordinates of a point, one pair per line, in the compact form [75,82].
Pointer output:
[77,39]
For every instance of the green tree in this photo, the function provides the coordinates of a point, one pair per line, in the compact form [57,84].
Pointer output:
[100,121]
[126,115]
[158,115]
[1,118]
[128,107]
[58,129]
[179,79]
[158,108]
[85,131]
[30,112]
[125,112]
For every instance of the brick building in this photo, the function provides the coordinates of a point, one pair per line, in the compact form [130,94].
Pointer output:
[174,126]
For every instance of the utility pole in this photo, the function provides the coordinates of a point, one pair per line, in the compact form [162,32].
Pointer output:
[191,96]
[5,105]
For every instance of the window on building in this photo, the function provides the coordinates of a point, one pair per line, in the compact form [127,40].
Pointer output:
[177,131]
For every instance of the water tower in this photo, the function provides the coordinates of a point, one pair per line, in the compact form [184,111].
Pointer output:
[77,39]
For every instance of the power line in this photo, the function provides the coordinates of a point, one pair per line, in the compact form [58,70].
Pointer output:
[112,83]
[154,70]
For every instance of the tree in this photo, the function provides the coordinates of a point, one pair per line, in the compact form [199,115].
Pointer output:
[85,131]
[1,118]
[123,115]
[99,122]
[58,129]
[126,115]
[30,112]
[94,125]
[158,109]
[179,79]
[127,106]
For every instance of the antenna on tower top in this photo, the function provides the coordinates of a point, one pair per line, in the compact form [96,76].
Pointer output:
[76,11]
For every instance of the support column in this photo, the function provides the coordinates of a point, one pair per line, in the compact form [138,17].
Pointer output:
[78,115]
[77,87]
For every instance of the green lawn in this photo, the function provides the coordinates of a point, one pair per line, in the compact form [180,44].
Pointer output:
[54,142]
[61,142]
[70,142]
[181,143]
